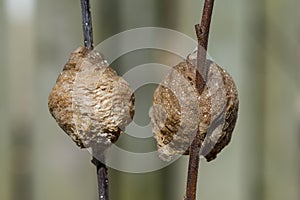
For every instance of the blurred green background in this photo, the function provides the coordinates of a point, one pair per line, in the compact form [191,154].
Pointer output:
[257,41]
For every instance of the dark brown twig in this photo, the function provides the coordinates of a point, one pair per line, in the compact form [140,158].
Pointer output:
[87,24]
[102,179]
[88,43]
[202,32]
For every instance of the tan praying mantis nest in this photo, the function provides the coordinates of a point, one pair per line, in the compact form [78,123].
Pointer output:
[89,101]
[179,112]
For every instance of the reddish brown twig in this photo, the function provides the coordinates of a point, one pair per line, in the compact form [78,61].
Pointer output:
[202,32]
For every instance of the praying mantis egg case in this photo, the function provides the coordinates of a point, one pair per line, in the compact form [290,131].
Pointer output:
[179,112]
[89,101]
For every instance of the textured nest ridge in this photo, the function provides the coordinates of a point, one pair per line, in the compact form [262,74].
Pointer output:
[89,101]
[179,112]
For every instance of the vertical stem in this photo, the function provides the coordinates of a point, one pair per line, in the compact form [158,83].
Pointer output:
[101,178]
[87,24]
[202,32]
[194,160]
[203,35]
[88,43]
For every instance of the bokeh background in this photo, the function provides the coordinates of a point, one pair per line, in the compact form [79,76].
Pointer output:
[257,41]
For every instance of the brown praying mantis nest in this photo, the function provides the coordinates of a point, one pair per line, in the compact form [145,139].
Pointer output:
[179,112]
[89,101]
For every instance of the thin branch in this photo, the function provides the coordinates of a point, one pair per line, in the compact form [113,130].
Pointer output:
[202,32]
[194,160]
[102,179]
[88,43]
[87,24]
